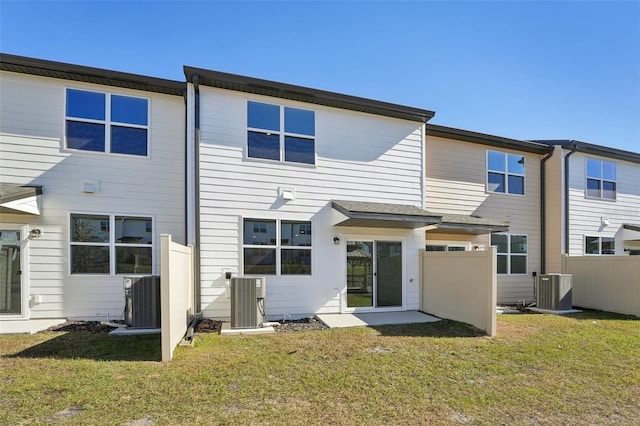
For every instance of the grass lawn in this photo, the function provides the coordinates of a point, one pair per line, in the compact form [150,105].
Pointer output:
[539,370]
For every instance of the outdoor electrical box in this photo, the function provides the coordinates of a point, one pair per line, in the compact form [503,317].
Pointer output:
[248,301]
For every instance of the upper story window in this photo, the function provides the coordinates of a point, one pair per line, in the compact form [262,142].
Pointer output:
[505,173]
[110,244]
[512,253]
[104,122]
[599,245]
[601,179]
[277,247]
[280,133]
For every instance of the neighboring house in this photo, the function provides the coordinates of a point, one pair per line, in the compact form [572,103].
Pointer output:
[593,201]
[496,178]
[320,192]
[92,172]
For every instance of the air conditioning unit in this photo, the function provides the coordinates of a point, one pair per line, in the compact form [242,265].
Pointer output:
[247,301]
[142,301]
[553,291]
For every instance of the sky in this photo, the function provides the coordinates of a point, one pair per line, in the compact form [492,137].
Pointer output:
[517,69]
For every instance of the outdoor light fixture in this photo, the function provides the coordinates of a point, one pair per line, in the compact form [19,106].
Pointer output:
[336,240]
[604,221]
[35,233]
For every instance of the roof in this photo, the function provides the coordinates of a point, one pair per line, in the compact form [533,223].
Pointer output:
[61,70]
[384,215]
[19,199]
[460,223]
[486,139]
[589,148]
[303,94]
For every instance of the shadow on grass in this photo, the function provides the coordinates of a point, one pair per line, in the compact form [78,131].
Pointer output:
[96,346]
[443,328]
[589,314]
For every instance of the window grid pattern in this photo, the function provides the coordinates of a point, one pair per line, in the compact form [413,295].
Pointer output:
[276,247]
[280,133]
[505,173]
[512,253]
[110,244]
[601,179]
[104,122]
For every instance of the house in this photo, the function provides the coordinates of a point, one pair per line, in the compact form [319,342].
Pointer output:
[321,192]
[475,174]
[593,201]
[93,171]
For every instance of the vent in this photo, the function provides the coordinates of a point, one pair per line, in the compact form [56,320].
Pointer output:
[553,291]
[247,301]
[142,301]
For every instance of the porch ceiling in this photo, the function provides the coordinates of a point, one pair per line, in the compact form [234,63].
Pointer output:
[382,215]
[18,199]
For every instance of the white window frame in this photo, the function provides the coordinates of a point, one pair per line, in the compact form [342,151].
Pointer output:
[600,179]
[282,134]
[505,173]
[466,245]
[278,247]
[509,255]
[112,244]
[600,238]
[24,269]
[107,122]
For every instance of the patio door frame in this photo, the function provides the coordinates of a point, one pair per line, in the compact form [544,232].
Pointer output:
[373,239]
[24,271]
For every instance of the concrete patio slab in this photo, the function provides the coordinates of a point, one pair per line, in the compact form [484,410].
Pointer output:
[226,330]
[370,319]
[555,312]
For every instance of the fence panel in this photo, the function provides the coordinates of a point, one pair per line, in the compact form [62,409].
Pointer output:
[606,283]
[177,292]
[461,286]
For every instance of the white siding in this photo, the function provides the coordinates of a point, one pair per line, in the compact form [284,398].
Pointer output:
[455,183]
[32,153]
[360,157]
[585,214]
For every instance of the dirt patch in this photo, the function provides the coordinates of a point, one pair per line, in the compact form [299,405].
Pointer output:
[89,326]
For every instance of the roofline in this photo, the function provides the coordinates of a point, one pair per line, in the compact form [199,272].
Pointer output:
[304,94]
[486,139]
[589,148]
[61,70]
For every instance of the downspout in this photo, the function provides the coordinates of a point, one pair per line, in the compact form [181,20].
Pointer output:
[574,148]
[198,290]
[543,220]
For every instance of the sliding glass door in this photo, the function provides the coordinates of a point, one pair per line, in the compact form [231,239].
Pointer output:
[374,274]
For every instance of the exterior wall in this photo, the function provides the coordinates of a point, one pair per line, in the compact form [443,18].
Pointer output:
[32,122]
[360,157]
[456,183]
[585,214]
[608,283]
[554,211]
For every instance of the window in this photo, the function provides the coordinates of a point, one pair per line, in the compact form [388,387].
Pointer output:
[512,253]
[446,247]
[505,173]
[277,247]
[601,179]
[103,122]
[109,244]
[265,138]
[599,245]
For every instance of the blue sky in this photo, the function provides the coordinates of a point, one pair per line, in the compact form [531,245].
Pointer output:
[525,70]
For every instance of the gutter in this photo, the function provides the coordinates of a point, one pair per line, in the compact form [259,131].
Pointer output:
[574,148]
[198,289]
[543,220]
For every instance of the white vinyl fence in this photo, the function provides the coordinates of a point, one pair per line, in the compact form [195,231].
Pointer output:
[176,294]
[461,286]
[606,283]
